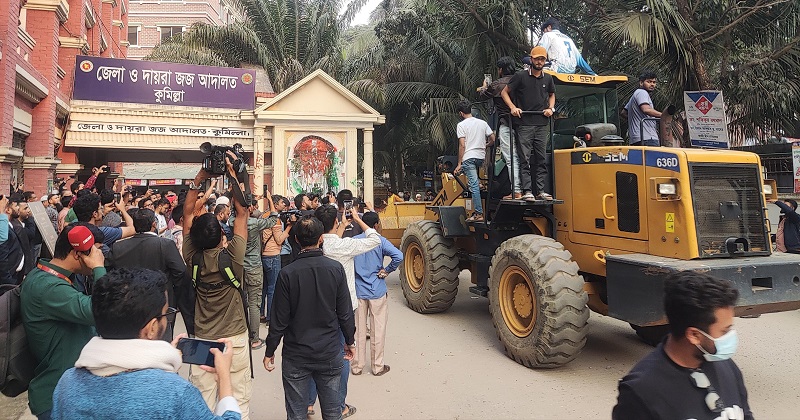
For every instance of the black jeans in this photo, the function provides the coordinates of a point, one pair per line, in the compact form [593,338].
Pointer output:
[532,149]
[326,375]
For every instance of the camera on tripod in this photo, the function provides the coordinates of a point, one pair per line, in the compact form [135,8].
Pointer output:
[214,162]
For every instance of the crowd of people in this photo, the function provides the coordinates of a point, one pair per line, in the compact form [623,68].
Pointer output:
[100,312]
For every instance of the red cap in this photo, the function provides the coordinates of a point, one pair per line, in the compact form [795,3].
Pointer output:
[81,238]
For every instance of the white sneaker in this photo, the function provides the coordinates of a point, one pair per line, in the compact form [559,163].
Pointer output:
[545,196]
[528,196]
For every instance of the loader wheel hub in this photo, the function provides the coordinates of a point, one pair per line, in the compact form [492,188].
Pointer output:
[414,266]
[517,301]
[522,300]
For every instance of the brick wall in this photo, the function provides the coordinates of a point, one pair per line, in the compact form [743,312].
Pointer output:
[42,62]
[151,14]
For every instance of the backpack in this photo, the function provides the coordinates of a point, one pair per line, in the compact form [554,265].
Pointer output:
[17,362]
[225,265]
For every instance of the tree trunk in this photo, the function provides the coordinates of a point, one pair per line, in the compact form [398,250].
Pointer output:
[695,49]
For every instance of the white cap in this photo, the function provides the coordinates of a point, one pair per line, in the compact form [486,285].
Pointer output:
[223,200]
[44,198]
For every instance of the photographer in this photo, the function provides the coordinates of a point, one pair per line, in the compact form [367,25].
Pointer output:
[273,240]
[220,308]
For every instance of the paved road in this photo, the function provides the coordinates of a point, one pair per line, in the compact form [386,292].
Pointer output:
[451,366]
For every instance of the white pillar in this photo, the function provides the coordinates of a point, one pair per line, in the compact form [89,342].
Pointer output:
[280,184]
[258,164]
[368,166]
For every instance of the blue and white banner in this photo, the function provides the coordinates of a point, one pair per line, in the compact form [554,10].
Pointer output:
[705,114]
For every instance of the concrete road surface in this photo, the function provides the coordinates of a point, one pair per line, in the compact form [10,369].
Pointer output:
[451,366]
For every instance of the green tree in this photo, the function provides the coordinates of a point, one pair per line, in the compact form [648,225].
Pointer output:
[288,38]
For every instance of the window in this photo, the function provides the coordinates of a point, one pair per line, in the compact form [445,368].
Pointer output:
[168,32]
[628,202]
[133,35]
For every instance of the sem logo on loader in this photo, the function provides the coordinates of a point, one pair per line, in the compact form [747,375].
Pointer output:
[662,160]
[632,157]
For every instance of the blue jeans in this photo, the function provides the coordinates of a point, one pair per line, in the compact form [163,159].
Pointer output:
[324,375]
[345,375]
[471,167]
[648,142]
[272,266]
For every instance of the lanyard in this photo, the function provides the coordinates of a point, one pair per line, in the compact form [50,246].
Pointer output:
[49,270]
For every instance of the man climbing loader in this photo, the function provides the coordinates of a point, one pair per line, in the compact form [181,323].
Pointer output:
[623,219]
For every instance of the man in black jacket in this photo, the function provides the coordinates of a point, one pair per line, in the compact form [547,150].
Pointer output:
[690,375]
[311,306]
[146,249]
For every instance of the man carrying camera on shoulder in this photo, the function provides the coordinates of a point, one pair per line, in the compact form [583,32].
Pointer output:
[219,306]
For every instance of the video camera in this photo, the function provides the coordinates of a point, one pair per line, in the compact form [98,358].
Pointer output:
[286,215]
[214,162]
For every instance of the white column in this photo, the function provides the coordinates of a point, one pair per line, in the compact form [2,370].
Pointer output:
[280,184]
[258,164]
[368,166]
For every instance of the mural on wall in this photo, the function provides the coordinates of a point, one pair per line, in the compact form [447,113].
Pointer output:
[315,162]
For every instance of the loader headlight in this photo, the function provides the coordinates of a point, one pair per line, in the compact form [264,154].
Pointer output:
[667,189]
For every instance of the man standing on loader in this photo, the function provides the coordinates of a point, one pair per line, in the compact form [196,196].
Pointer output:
[639,107]
[505,67]
[474,135]
[533,90]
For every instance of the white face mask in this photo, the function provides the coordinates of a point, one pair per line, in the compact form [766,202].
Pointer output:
[725,345]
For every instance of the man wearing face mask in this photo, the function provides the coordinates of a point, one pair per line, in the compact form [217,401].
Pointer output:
[690,374]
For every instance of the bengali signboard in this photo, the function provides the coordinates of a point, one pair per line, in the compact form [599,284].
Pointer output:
[796,167]
[159,83]
[156,182]
[237,133]
[705,115]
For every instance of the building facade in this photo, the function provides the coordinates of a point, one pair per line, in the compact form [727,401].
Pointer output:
[39,40]
[154,21]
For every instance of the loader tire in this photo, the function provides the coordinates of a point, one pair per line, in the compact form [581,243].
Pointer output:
[537,302]
[429,276]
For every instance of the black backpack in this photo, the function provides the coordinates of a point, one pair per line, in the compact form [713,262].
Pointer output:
[17,362]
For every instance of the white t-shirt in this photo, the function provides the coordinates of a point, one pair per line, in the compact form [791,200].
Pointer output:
[561,51]
[474,131]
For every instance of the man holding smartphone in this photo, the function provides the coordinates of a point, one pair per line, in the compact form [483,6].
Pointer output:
[134,369]
[57,316]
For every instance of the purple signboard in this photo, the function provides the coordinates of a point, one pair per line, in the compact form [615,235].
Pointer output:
[160,83]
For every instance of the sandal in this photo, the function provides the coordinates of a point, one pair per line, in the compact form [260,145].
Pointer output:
[476,217]
[350,411]
[255,345]
[383,371]
[311,412]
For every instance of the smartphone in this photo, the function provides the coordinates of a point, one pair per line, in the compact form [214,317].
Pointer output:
[196,351]
[117,197]
[348,208]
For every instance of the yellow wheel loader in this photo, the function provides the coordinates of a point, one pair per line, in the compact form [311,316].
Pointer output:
[622,220]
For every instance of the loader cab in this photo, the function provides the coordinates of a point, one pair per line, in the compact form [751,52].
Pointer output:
[580,100]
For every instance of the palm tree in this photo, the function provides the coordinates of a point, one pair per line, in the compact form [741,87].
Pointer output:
[288,38]
[750,50]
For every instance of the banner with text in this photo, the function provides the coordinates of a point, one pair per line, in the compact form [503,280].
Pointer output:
[160,83]
[705,115]
[796,167]
[208,131]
